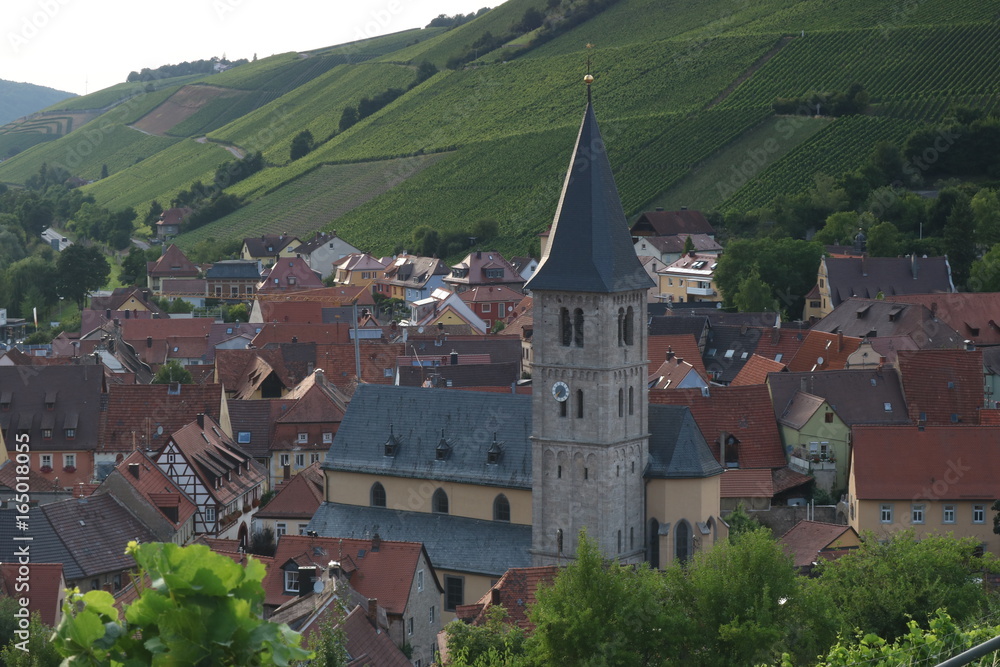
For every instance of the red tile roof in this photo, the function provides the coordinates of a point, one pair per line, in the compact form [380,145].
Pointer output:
[683,345]
[744,412]
[173,262]
[303,333]
[943,386]
[833,349]
[289,274]
[743,483]
[299,498]
[136,332]
[667,223]
[972,314]
[154,485]
[938,462]
[806,540]
[295,312]
[386,573]
[146,415]
[515,592]
[755,371]
[365,645]
[46,586]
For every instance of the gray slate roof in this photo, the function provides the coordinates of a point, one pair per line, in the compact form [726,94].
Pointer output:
[590,246]
[234,268]
[872,318]
[857,396]
[45,545]
[416,417]
[677,448]
[889,275]
[452,542]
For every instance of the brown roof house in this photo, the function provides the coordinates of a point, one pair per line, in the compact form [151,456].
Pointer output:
[224,481]
[289,275]
[291,509]
[173,264]
[942,386]
[266,248]
[670,223]
[875,318]
[809,542]
[484,268]
[397,576]
[324,251]
[56,409]
[170,222]
[972,314]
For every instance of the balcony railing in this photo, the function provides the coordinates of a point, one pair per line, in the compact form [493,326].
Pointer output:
[701,291]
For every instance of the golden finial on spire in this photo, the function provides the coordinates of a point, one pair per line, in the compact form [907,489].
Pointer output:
[589,78]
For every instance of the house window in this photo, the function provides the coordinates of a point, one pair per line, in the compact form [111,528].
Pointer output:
[69,460]
[565,328]
[70,433]
[117,581]
[243,437]
[302,528]
[377,495]
[917,514]
[979,514]
[209,515]
[949,514]
[828,417]
[291,581]
[387,372]
[420,581]
[46,434]
[439,502]
[300,460]
[303,438]
[218,290]
[327,438]
[430,615]
[409,627]
[280,529]
[283,460]
[314,457]
[46,460]
[234,291]
[487,308]
[501,508]
[885,514]
[454,592]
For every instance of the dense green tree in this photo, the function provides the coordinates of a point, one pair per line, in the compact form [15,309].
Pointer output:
[688,245]
[328,642]
[883,240]
[471,643]
[34,272]
[740,521]
[959,239]
[840,229]
[986,213]
[171,372]
[133,267]
[301,144]
[485,229]
[348,118]
[601,613]
[884,583]
[984,276]
[789,266]
[754,295]
[262,542]
[155,209]
[238,313]
[39,650]
[201,609]
[81,269]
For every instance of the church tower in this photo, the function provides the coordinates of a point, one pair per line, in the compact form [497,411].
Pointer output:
[590,437]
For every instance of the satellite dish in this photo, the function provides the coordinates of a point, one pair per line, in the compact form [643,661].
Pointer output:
[819,361]
[420,329]
[159,430]
[318,586]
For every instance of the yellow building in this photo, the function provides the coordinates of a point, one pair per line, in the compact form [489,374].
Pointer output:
[934,480]
[268,248]
[690,278]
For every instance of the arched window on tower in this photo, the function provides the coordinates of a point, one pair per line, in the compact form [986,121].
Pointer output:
[439,502]
[565,327]
[378,495]
[621,402]
[682,541]
[621,327]
[501,508]
[579,403]
[628,327]
[578,327]
[631,401]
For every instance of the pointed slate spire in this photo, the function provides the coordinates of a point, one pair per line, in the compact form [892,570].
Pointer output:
[590,247]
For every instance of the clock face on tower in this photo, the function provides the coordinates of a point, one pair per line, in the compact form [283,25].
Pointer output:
[560,391]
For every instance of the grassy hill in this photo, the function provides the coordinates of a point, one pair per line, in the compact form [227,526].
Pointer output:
[22,99]
[683,92]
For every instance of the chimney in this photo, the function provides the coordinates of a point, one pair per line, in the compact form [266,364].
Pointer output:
[372,610]
[670,352]
[376,542]
[107,313]
[133,469]
[149,341]
[454,358]
[201,420]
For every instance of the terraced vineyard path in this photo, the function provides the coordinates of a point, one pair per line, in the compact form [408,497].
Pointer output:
[750,71]
[232,149]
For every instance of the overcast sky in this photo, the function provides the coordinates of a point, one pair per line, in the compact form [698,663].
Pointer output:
[85,45]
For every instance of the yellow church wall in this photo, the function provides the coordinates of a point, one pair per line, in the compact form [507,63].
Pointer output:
[403,493]
[476,586]
[670,501]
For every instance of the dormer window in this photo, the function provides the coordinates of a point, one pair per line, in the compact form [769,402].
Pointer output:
[495,451]
[443,448]
[392,444]
[70,433]
[5,400]
[494,273]
[46,434]
[50,400]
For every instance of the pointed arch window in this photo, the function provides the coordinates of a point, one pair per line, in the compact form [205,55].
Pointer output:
[621,327]
[621,402]
[501,508]
[439,502]
[565,327]
[682,541]
[578,327]
[628,327]
[377,495]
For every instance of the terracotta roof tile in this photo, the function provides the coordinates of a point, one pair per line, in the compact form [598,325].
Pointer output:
[807,539]
[971,314]
[786,478]
[173,262]
[46,585]
[738,483]
[515,592]
[833,349]
[939,462]
[744,412]
[299,498]
[755,371]
[146,415]
[156,487]
[684,346]
[666,223]
[942,386]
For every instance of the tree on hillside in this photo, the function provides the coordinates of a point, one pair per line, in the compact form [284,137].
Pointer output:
[985,272]
[883,240]
[202,609]
[348,118]
[301,144]
[986,212]
[80,270]
[959,239]
[754,295]
[155,209]
[172,372]
[789,266]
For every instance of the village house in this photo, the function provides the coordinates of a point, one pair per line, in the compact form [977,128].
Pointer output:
[173,264]
[233,279]
[672,223]
[359,269]
[411,278]
[324,251]
[688,279]
[484,269]
[170,222]
[491,303]
[289,275]
[668,249]
[293,506]
[268,248]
